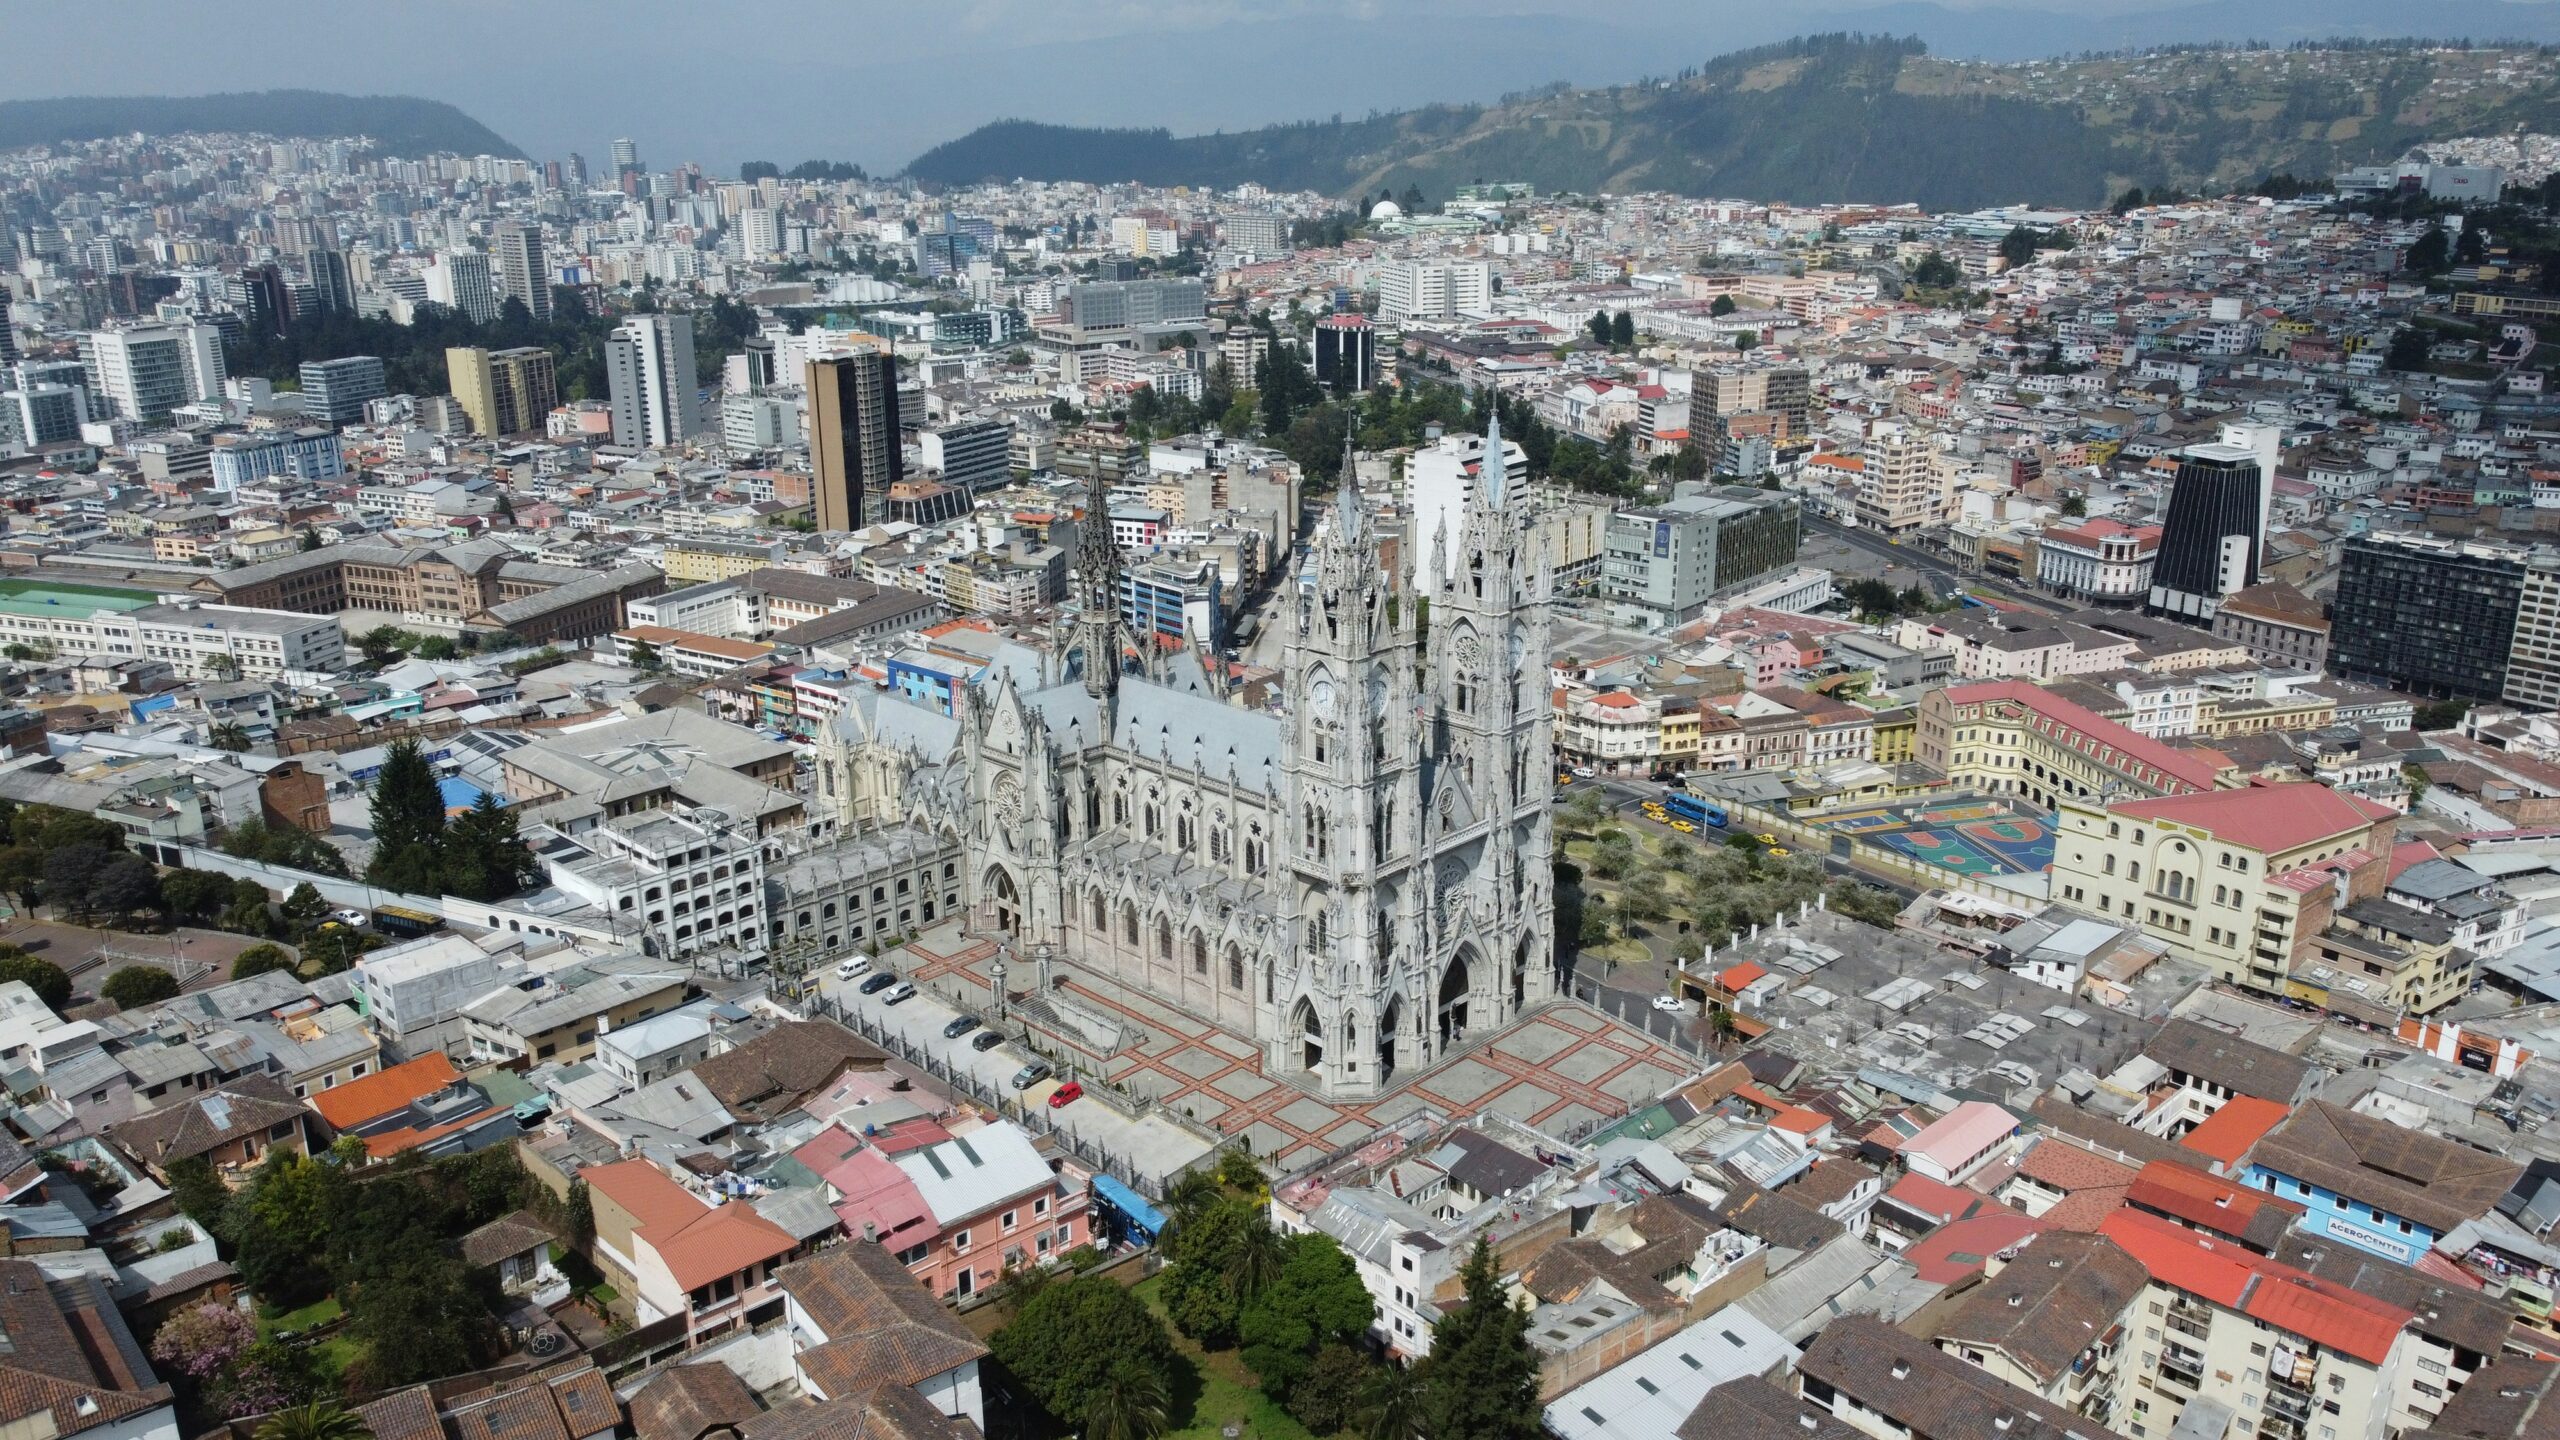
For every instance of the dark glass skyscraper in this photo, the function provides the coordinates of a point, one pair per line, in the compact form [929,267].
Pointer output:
[854,455]
[2210,538]
[2429,615]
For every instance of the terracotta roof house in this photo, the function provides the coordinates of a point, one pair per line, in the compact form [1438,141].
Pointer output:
[2378,1186]
[70,1366]
[567,1401]
[690,1402]
[231,1128]
[778,1071]
[863,1324]
[682,1255]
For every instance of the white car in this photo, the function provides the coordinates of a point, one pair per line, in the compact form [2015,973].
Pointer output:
[852,966]
[355,918]
[1672,1003]
[898,994]
[1584,772]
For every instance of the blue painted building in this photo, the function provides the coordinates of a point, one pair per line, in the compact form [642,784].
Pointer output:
[927,679]
[2385,1189]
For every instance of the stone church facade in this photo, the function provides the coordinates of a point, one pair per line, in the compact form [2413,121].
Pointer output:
[1355,884]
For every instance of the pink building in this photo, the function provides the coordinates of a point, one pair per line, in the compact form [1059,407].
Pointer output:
[956,1210]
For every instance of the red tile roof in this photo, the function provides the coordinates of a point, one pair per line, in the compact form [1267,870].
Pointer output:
[2268,818]
[2293,1300]
[1962,1247]
[2197,767]
[378,1094]
[2188,1194]
[699,1242]
[2230,1132]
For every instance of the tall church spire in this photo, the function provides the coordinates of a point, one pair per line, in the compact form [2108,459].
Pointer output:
[1098,573]
[1350,509]
[1495,473]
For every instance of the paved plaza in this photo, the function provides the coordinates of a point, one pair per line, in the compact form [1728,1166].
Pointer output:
[1562,1069]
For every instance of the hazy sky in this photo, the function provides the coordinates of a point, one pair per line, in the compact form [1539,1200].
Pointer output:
[876,81]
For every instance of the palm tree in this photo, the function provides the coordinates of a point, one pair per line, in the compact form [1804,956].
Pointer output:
[229,736]
[1256,1262]
[1130,1404]
[319,1420]
[1390,1404]
[1189,1197]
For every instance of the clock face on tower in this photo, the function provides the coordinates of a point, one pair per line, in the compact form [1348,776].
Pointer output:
[1320,699]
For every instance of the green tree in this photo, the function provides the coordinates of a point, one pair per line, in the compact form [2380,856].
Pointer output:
[1747,340]
[319,1420]
[1622,330]
[248,913]
[2131,200]
[484,854]
[190,895]
[310,539]
[200,1193]
[1071,1336]
[138,985]
[383,644]
[331,949]
[2018,246]
[2408,349]
[259,959]
[49,981]
[1480,1380]
[1722,305]
[2075,505]
[22,872]
[644,657]
[229,735]
[1863,903]
[408,821]
[1326,1399]
[1317,1298]
[1598,326]
[1390,1404]
[2431,255]
[305,907]
[1131,1403]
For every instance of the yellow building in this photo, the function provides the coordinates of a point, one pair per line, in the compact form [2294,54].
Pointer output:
[560,1023]
[2241,881]
[696,562]
[1897,735]
[2010,737]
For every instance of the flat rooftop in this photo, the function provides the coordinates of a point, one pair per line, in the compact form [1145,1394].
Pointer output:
[53,597]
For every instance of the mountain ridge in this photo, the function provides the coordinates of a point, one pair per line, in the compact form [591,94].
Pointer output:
[403,125]
[1842,117]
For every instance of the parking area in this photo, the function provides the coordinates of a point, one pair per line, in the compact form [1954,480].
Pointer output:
[1151,1145]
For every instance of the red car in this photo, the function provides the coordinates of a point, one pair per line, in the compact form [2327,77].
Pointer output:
[1066,1095]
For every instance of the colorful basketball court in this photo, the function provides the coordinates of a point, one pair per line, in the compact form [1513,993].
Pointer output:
[1965,835]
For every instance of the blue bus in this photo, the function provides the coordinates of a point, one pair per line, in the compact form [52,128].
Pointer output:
[1689,807]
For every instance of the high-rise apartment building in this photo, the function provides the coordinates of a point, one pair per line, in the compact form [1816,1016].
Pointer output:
[1123,304]
[336,390]
[2533,656]
[522,274]
[1730,390]
[1902,487]
[2210,540]
[505,392]
[1346,353]
[142,372]
[1259,232]
[2430,615]
[46,405]
[1433,289]
[648,363]
[333,284]
[626,156]
[460,279]
[854,455]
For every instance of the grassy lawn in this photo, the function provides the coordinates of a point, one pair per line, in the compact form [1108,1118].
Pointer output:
[332,1356]
[1211,1392]
[318,1312]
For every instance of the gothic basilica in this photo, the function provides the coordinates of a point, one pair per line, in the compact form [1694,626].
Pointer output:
[1354,883]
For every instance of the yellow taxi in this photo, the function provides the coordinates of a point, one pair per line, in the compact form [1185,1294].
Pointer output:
[1780,851]
[1684,827]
